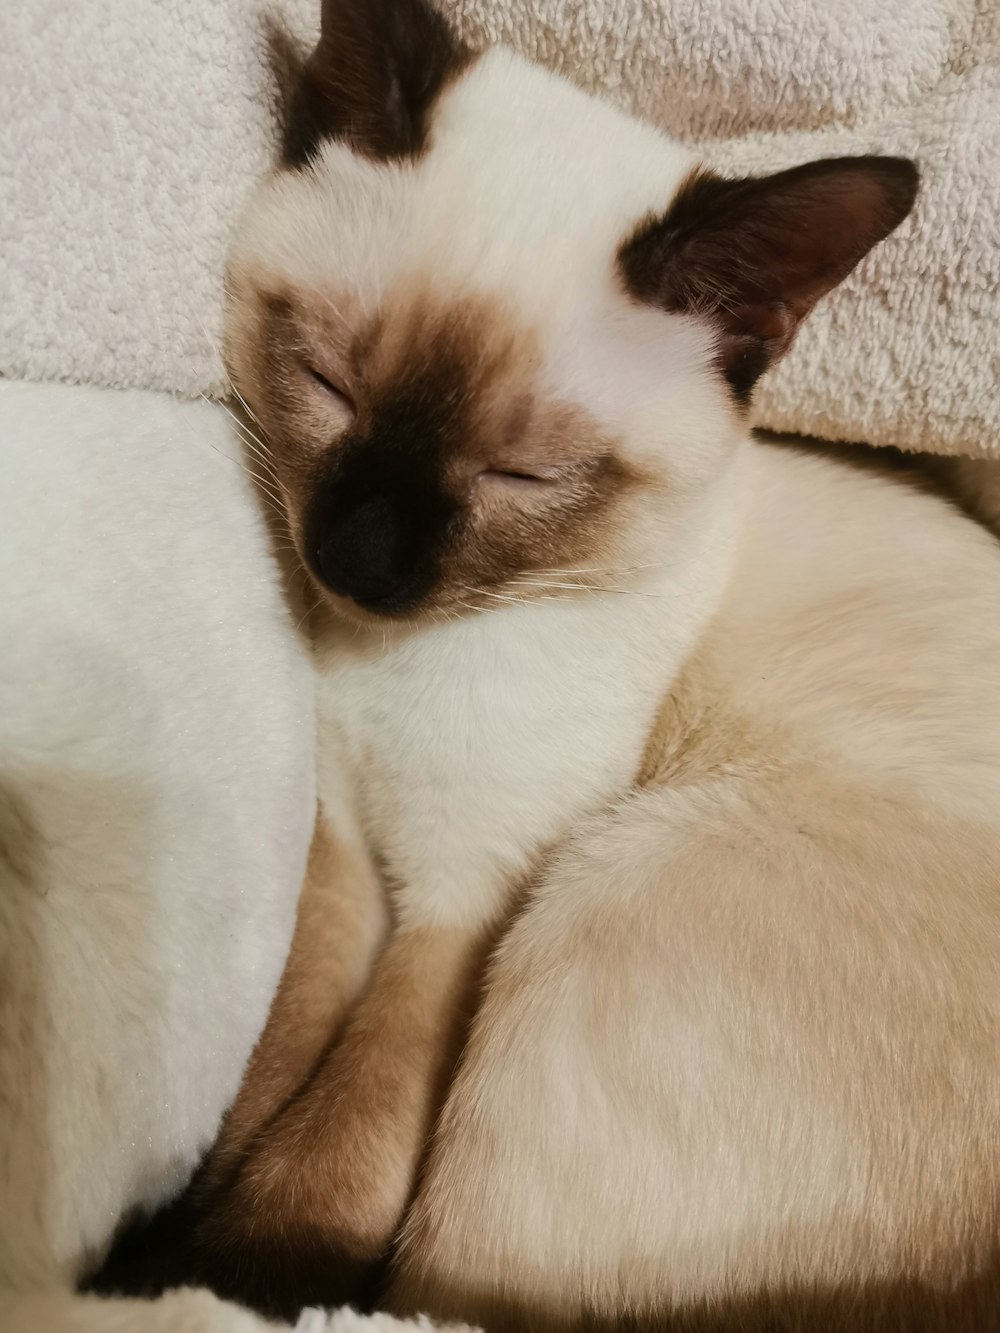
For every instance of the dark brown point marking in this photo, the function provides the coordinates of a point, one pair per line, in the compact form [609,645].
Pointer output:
[372,80]
[754,255]
[388,510]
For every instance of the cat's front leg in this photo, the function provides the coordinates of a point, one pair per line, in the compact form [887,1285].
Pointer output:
[321,1194]
[341,921]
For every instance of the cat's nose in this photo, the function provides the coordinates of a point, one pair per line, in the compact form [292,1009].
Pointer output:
[366,553]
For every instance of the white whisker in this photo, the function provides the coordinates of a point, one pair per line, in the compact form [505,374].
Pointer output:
[242,425]
[266,487]
[263,458]
[261,481]
[309,611]
[248,409]
[584,587]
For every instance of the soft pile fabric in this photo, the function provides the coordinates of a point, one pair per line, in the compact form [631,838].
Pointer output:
[157,799]
[133,131]
[184,1312]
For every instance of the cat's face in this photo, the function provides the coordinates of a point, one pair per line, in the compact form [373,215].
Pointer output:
[498,334]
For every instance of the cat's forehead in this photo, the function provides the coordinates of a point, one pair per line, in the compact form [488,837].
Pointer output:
[495,247]
[525,189]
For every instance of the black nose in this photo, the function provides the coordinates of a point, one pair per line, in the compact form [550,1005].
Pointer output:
[367,554]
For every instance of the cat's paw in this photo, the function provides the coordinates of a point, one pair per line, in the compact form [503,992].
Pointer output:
[311,1215]
[150,1255]
[278,1271]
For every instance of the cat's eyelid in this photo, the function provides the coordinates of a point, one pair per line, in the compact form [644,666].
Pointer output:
[521,477]
[325,381]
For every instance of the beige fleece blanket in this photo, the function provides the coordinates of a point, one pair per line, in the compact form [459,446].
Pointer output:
[133,128]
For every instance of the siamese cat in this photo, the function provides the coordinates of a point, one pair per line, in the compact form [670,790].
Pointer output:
[675,753]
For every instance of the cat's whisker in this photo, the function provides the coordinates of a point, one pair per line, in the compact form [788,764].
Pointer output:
[547,583]
[252,440]
[267,488]
[264,474]
[275,503]
[260,458]
[595,569]
[585,587]
[327,300]
[310,610]
[267,477]
[248,409]
[274,508]
[498,596]
[241,425]
[284,528]
[231,387]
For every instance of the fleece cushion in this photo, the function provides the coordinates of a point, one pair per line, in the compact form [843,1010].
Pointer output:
[157,800]
[156,806]
[135,128]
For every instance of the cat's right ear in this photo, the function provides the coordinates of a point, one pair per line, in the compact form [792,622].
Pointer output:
[753,256]
[376,71]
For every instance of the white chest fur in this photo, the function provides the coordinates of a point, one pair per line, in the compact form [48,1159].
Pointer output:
[473,744]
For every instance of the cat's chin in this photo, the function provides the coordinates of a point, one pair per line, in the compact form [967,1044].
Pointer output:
[348,611]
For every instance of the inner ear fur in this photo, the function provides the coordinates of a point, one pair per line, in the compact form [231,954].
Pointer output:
[372,79]
[754,255]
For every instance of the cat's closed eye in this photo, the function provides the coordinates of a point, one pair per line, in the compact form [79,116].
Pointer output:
[335,392]
[519,480]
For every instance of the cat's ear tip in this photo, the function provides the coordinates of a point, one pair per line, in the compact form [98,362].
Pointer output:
[905,173]
[896,182]
[900,180]
[903,178]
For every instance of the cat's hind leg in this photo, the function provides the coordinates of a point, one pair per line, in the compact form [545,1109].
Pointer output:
[738,1053]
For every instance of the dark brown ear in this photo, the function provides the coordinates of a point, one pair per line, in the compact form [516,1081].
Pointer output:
[755,255]
[371,81]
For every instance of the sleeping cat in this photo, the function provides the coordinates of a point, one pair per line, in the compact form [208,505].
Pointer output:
[704,731]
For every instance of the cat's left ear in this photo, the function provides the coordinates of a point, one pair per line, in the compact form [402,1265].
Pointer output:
[372,79]
[753,256]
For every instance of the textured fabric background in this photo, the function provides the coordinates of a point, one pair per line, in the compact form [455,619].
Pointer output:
[133,128]
[157,801]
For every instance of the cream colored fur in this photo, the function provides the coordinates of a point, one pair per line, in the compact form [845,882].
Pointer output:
[407,702]
[745,1033]
[742,1033]
[473,744]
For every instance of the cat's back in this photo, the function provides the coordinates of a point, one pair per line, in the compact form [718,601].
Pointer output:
[863,622]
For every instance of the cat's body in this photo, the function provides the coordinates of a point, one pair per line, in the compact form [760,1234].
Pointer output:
[743,1036]
[740,1047]
[476,743]
[721,720]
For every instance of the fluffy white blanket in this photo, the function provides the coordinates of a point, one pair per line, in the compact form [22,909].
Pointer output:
[156,806]
[133,130]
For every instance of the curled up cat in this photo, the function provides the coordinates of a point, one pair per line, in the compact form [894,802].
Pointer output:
[648,963]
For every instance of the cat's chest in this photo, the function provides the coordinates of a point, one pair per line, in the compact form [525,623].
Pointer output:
[469,750]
